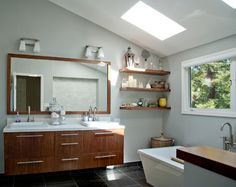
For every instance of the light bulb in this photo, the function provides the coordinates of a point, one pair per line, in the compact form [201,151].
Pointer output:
[100,53]
[88,52]
[22,45]
[36,47]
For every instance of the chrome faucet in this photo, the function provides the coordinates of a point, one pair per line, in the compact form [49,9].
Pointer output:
[94,113]
[90,118]
[29,117]
[228,141]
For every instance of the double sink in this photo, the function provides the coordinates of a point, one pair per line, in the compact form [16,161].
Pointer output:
[45,126]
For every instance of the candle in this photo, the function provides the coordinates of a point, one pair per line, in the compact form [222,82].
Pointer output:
[131,77]
[134,83]
[28,109]
[130,81]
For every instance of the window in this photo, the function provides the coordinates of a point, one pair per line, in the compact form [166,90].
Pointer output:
[208,85]
[148,19]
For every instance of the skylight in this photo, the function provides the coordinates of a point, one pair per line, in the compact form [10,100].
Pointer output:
[152,21]
[231,3]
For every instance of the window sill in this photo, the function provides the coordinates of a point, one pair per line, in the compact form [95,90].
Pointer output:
[226,114]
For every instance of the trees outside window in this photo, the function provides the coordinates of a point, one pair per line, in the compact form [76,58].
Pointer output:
[209,86]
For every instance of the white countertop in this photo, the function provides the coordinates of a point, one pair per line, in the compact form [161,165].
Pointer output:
[68,126]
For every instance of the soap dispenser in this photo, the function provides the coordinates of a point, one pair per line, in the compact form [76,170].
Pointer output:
[17,120]
[62,113]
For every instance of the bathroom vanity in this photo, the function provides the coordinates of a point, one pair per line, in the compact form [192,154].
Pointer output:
[37,147]
[49,148]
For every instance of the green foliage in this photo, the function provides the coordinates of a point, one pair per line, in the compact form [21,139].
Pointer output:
[210,85]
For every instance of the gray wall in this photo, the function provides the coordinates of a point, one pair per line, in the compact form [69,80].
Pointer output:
[190,129]
[62,33]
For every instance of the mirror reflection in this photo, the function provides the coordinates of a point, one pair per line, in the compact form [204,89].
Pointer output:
[76,84]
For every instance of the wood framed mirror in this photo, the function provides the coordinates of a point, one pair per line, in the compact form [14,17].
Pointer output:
[76,84]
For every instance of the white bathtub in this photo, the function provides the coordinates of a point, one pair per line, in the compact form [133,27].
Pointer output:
[159,169]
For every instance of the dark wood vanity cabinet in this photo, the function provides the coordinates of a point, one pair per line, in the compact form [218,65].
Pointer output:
[28,152]
[38,152]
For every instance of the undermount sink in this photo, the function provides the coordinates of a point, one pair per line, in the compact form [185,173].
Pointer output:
[99,123]
[27,125]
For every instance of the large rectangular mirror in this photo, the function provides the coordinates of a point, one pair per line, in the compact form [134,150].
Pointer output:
[76,84]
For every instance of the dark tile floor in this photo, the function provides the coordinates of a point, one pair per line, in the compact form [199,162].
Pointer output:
[128,175]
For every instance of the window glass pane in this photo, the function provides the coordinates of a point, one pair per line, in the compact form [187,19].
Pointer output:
[210,85]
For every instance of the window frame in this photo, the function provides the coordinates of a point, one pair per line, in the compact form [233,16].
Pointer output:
[186,88]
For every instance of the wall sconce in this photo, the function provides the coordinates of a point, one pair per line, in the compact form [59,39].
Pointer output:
[89,50]
[29,42]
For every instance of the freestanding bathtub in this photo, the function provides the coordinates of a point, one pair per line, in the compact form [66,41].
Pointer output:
[159,169]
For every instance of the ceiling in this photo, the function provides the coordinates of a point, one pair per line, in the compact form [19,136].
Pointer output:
[205,21]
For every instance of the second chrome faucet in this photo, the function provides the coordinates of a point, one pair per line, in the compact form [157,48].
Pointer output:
[29,116]
[228,142]
[92,114]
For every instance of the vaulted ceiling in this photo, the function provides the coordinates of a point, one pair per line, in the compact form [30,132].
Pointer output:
[205,21]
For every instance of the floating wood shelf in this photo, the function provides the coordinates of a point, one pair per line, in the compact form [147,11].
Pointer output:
[143,108]
[144,89]
[145,71]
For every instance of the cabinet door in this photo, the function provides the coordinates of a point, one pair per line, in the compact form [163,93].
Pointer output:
[68,149]
[19,166]
[94,160]
[103,141]
[29,145]
[30,152]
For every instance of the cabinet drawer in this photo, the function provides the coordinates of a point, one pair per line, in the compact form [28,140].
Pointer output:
[103,141]
[102,159]
[28,145]
[68,149]
[68,136]
[68,144]
[67,163]
[28,166]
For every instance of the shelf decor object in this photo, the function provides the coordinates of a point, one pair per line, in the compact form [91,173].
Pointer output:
[129,58]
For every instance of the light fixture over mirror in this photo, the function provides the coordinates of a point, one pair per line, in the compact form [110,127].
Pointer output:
[29,42]
[89,50]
